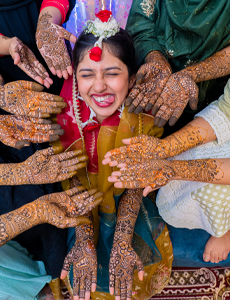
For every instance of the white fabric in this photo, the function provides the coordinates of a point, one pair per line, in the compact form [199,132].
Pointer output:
[180,203]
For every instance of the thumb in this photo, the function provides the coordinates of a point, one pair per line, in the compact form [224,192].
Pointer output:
[16,59]
[64,273]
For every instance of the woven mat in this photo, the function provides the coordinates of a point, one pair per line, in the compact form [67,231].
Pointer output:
[197,284]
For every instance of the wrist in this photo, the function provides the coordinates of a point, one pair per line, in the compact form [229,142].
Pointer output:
[201,170]
[5,44]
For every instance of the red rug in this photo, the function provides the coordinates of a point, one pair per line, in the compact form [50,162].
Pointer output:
[197,284]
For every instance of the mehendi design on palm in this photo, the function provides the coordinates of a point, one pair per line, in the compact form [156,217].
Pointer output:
[150,81]
[19,131]
[43,167]
[123,258]
[24,98]
[50,42]
[83,257]
[28,61]
[58,209]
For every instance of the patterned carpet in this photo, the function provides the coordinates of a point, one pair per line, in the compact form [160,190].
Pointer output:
[197,284]
[193,284]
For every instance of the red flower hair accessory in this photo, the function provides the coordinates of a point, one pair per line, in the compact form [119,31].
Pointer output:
[95,53]
[104,15]
[103,27]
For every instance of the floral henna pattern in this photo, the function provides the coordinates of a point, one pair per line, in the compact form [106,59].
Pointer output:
[215,66]
[154,173]
[178,91]
[151,79]
[42,167]
[50,42]
[157,173]
[123,258]
[146,147]
[58,209]
[83,257]
[28,61]
[19,131]
[26,99]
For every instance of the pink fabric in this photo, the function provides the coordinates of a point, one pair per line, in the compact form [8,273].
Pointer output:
[62,5]
[68,122]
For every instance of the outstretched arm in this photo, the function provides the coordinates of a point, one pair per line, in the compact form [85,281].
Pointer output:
[181,89]
[155,173]
[83,256]
[123,258]
[25,59]
[58,209]
[50,41]
[43,167]
[142,148]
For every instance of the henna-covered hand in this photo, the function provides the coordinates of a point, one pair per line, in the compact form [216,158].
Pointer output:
[123,258]
[50,41]
[83,257]
[152,174]
[179,90]
[25,59]
[150,81]
[19,131]
[43,167]
[58,209]
[25,98]
[143,147]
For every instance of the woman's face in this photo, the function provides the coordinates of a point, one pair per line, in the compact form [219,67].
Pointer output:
[104,84]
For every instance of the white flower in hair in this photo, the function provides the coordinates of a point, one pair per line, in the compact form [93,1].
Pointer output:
[104,26]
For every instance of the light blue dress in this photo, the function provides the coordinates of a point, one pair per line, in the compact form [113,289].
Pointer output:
[21,277]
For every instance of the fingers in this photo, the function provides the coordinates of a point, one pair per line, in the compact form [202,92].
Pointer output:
[82,220]
[147,190]
[64,273]
[21,144]
[65,156]
[75,190]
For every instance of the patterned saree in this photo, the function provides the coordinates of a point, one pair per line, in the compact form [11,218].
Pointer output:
[151,239]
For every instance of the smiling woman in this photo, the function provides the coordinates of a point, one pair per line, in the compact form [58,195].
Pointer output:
[95,120]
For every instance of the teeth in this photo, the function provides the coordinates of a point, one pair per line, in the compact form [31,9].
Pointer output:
[101,99]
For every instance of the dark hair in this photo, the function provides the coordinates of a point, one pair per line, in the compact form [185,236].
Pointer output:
[120,45]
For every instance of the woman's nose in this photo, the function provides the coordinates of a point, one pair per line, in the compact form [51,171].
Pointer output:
[99,85]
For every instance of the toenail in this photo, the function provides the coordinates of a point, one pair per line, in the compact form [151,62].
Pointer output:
[205,258]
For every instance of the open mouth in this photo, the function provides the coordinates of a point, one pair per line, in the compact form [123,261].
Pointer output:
[103,101]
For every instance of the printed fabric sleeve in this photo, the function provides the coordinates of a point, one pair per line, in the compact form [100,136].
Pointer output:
[141,26]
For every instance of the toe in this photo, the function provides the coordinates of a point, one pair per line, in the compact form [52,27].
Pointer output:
[206,257]
[225,255]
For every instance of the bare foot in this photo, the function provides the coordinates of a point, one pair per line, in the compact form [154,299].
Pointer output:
[47,291]
[217,248]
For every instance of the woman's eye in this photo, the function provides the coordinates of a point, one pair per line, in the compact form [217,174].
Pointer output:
[111,74]
[86,75]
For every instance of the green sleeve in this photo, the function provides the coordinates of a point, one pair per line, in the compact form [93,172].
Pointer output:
[141,26]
